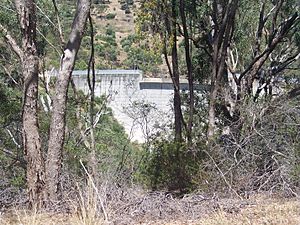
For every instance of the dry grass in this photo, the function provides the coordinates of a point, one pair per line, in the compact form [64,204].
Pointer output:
[259,210]
[31,218]
[279,212]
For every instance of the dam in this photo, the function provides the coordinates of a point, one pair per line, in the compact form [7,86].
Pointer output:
[142,105]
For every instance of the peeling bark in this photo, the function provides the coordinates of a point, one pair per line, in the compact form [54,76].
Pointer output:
[35,170]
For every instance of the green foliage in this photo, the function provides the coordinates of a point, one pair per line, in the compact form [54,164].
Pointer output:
[106,50]
[140,54]
[110,16]
[10,104]
[172,166]
[11,155]
[114,152]
[81,64]
[8,19]
[83,55]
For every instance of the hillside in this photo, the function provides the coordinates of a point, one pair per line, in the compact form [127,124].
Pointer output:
[117,46]
[116,18]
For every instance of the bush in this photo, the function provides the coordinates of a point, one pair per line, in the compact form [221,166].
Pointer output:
[172,166]
[110,16]
[110,32]
[262,151]
[127,11]
[124,7]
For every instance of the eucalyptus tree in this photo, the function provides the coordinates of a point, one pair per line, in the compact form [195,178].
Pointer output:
[58,123]
[257,43]
[27,53]
[223,20]
[43,177]
[272,41]
[188,58]
[160,17]
[260,61]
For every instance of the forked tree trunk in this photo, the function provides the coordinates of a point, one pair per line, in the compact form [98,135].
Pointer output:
[222,35]
[57,126]
[31,140]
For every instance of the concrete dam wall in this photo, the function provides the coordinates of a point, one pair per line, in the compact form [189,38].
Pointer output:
[142,105]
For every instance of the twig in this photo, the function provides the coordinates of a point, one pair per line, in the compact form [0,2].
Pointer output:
[223,176]
[97,192]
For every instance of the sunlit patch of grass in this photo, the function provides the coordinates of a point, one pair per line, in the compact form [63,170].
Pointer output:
[22,217]
[267,213]
[31,218]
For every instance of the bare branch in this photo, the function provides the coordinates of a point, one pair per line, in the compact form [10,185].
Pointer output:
[13,138]
[14,157]
[43,36]
[96,190]
[12,42]
[61,36]
[257,63]
[261,24]
[10,76]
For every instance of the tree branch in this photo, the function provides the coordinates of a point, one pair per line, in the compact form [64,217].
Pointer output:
[14,157]
[12,42]
[294,93]
[260,59]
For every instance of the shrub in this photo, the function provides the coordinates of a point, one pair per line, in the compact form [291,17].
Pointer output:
[110,16]
[110,32]
[172,166]
[262,151]
[124,7]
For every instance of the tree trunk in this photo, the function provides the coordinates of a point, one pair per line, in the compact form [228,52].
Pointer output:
[190,71]
[211,112]
[177,98]
[92,164]
[57,126]
[31,139]
[222,37]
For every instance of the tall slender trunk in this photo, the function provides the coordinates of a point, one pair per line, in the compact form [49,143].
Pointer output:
[213,92]
[57,126]
[91,82]
[189,70]
[177,98]
[31,139]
